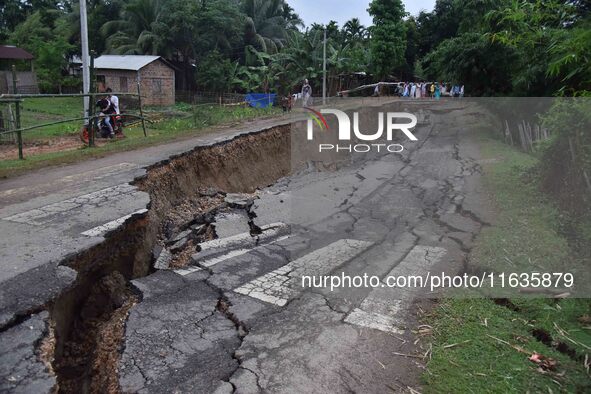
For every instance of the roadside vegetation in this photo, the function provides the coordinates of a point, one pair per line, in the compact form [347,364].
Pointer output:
[493,47]
[484,345]
[180,121]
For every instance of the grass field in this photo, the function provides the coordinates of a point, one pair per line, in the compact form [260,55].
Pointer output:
[466,358]
[181,120]
[38,111]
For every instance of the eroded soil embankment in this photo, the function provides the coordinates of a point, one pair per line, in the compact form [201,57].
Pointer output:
[88,320]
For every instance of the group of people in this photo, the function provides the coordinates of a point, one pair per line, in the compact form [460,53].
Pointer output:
[403,89]
[430,89]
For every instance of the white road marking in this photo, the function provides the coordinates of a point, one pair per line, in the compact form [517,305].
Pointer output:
[41,215]
[187,271]
[375,321]
[241,241]
[216,260]
[278,286]
[101,230]
[95,175]
[380,310]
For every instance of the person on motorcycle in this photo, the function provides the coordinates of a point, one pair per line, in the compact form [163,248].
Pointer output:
[107,109]
[114,100]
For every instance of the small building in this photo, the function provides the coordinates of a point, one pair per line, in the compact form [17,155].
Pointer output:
[120,73]
[26,79]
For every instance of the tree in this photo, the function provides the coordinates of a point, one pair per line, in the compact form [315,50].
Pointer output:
[48,45]
[220,27]
[99,13]
[266,24]
[388,36]
[214,73]
[483,66]
[531,29]
[570,55]
[300,59]
[293,20]
[410,55]
[354,30]
[133,33]
[12,13]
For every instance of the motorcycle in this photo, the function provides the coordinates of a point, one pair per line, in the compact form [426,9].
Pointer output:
[102,130]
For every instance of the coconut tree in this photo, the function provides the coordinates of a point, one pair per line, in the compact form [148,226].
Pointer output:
[135,33]
[354,30]
[267,23]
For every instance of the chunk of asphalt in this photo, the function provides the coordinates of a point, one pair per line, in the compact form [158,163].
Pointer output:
[238,201]
[172,334]
[29,291]
[163,260]
[177,237]
[231,223]
[221,246]
[179,245]
[204,218]
[160,282]
[21,370]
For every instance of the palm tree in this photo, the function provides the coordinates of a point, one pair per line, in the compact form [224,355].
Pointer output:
[267,23]
[292,19]
[134,33]
[354,30]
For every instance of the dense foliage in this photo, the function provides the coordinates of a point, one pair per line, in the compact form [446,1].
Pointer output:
[494,47]
[388,43]
[220,45]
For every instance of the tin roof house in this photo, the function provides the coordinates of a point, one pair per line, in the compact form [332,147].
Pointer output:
[121,73]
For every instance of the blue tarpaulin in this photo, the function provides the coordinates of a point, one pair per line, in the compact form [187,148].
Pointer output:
[260,100]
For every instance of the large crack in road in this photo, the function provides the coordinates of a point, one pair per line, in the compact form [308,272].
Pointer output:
[161,304]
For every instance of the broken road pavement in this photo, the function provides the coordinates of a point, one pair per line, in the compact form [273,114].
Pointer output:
[236,319]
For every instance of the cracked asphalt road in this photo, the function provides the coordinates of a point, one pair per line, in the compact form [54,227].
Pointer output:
[244,323]
[240,320]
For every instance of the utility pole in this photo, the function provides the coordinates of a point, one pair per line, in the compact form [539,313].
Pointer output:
[85,59]
[324,71]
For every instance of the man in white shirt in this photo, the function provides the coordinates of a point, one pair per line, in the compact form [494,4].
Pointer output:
[114,100]
[306,93]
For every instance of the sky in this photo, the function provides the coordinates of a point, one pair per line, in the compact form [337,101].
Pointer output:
[323,11]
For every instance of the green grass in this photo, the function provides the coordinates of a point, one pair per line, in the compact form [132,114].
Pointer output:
[37,111]
[526,233]
[486,365]
[187,121]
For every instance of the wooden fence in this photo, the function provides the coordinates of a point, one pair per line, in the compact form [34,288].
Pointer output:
[524,134]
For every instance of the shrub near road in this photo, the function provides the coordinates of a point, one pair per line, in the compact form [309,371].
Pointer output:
[484,345]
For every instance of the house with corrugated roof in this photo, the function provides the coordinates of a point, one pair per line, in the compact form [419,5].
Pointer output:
[26,77]
[121,73]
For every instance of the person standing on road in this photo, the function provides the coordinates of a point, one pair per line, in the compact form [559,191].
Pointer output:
[413,90]
[306,93]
